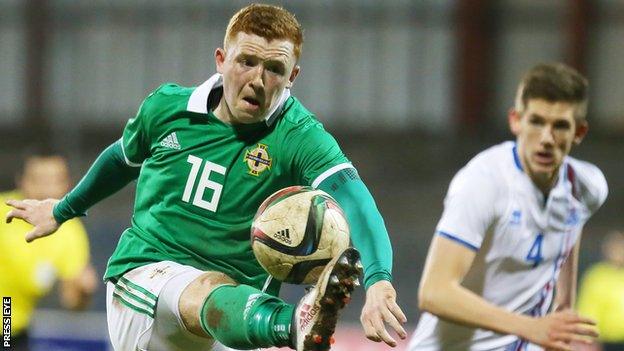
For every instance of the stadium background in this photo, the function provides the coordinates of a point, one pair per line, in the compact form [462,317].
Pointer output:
[411,89]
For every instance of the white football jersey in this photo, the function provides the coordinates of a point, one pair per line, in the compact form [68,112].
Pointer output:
[521,238]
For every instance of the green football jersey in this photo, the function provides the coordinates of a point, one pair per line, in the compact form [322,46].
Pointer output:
[202,180]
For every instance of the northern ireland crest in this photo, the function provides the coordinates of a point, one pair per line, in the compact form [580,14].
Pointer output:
[258,160]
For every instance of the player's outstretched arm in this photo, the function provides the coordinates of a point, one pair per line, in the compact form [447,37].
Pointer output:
[441,293]
[108,174]
[38,213]
[370,237]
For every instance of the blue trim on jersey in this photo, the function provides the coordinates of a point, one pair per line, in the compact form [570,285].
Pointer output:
[457,239]
[516,346]
[517,158]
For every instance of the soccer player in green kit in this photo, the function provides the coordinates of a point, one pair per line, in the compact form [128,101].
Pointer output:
[184,275]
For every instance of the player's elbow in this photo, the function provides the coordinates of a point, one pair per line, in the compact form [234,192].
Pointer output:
[429,298]
[426,302]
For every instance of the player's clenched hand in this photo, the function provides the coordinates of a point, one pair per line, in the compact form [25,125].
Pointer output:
[381,307]
[36,212]
[556,331]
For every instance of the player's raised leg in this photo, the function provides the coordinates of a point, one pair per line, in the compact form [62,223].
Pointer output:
[242,317]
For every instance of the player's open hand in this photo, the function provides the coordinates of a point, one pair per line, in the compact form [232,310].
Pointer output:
[380,308]
[36,212]
[557,331]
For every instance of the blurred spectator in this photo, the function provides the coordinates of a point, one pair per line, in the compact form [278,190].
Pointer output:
[601,294]
[28,271]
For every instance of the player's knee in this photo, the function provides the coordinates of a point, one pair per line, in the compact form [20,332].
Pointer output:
[199,289]
[193,297]
[211,280]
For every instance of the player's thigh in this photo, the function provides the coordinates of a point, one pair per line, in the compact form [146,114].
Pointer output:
[144,307]
[193,296]
[127,323]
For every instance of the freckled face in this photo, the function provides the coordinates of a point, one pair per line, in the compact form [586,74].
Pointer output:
[255,72]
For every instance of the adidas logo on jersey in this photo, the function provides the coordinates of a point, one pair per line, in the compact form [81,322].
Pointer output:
[171,141]
[283,236]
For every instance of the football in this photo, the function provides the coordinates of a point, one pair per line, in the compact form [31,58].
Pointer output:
[296,232]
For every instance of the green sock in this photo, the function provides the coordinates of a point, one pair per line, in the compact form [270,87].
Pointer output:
[243,317]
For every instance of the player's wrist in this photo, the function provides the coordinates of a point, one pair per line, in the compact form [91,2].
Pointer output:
[523,327]
[56,214]
[377,277]
[62,211]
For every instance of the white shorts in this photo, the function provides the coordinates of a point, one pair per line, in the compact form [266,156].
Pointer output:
[142,310]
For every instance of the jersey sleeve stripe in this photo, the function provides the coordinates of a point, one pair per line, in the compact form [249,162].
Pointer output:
[329,172]
[457,239]
[128,162]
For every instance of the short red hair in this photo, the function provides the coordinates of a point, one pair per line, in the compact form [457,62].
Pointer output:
[267,21]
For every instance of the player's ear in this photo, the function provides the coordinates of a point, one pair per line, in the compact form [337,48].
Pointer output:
[582,127]
[293,76]
[513,116]
[219,59]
